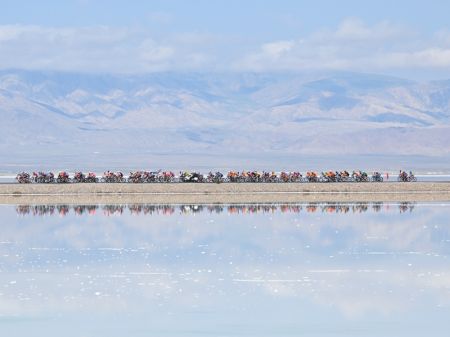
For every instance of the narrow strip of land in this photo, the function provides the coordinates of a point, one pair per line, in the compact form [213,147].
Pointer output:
[227,193]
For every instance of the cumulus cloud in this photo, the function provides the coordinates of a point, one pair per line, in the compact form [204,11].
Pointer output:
[355,29]
[100,48]
[277,49]
[352,45]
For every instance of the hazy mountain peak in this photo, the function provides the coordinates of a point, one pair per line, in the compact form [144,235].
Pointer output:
[292,113]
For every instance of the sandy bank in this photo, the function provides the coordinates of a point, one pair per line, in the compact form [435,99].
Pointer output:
[223,193]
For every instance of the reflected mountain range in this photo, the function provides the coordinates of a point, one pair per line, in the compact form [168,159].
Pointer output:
[304,266]
[150,209]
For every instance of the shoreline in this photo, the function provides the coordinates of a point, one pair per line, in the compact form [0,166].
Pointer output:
[226,193]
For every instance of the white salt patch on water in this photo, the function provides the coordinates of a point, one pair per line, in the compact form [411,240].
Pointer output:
[143,273]
[330,271]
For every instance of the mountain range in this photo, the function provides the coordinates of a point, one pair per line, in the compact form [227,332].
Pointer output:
[292,114]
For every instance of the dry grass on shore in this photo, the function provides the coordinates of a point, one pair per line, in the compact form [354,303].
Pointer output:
[227,193]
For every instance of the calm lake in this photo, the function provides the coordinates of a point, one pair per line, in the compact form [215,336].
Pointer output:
[363,269]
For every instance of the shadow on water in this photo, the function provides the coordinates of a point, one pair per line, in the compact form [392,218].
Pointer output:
[150,209]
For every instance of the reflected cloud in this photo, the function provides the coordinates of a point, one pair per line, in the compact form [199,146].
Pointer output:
[356,261]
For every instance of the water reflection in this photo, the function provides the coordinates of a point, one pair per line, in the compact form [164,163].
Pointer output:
[148,209]
[312,269]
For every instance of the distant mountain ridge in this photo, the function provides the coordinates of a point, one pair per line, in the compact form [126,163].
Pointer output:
[336,113]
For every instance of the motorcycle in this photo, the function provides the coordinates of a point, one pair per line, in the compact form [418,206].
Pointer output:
[187,177]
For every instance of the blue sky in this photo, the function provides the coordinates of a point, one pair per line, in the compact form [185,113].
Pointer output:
[407,38]
[282,18]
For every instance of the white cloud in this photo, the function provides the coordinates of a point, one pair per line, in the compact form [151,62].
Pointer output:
[277,49]
[437,57]
[443,37]
[352,45]
[100,48]
[355,29]
[355,46]
[152,52]
[9,32]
